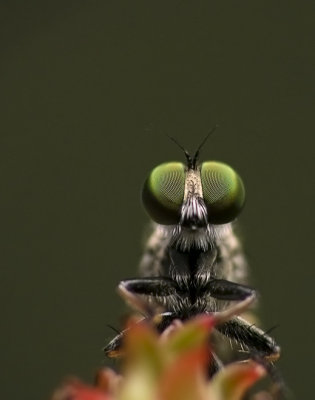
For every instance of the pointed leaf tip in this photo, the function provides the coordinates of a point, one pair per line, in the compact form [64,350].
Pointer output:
[232,382]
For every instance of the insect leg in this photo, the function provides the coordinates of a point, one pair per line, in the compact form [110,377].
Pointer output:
[215,364]
[114,348]
[262,349]
[251,337]
[222,289]
[132,291]
[155,286]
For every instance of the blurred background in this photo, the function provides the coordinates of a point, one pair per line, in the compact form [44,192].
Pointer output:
[89,91]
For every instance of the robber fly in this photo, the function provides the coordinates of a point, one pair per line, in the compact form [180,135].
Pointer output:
[193,262]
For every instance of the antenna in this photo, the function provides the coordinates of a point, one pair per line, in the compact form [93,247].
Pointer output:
[188,156]
[195,159]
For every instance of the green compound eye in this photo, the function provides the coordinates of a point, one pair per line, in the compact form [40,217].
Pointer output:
[223,192]
[163,193]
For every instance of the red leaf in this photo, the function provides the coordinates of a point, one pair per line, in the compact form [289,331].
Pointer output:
[76,390]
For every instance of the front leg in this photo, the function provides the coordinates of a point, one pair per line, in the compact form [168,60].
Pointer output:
[155,286]
[162,321]
[222,289]
[132,291]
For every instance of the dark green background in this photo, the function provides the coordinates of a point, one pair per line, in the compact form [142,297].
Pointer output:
[88,90]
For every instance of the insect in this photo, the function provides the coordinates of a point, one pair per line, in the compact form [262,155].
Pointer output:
[193,262]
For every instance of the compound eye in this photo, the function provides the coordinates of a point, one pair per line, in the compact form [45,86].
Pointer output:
[163,193]
[223,192]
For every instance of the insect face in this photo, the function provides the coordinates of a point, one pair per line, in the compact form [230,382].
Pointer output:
[194,200]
